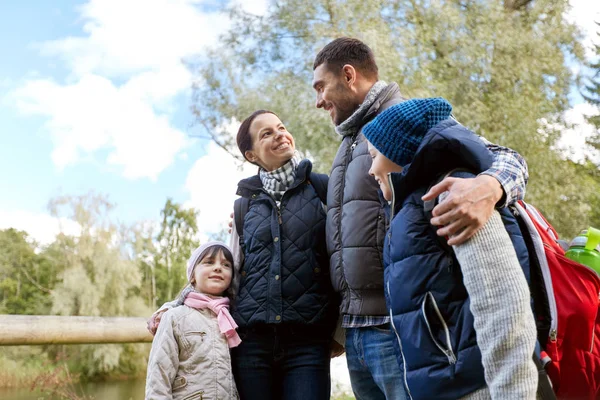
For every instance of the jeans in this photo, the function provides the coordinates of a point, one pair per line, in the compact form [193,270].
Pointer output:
[282,362]
[375,373]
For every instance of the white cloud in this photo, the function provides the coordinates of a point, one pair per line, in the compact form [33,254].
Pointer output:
[41,227]
[573,138]
[124,37]
[212,183]
[126,77]
[256,7]
[93,115]
[584,13]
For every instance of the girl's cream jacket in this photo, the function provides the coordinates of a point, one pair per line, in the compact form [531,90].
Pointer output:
[189,358]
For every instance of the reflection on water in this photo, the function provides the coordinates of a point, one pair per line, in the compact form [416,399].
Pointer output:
[121,390]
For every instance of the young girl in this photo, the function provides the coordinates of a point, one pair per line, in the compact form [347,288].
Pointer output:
[464,330]
[190,352]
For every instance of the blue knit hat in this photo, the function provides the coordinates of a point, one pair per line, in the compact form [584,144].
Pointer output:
[398,131]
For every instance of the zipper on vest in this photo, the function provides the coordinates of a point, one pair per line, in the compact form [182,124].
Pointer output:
[399,342]
[347,160]
[279,216]
[447,351]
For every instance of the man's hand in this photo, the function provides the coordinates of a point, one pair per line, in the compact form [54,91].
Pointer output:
[154,321]
[230,222]
[336,349]
[467,207]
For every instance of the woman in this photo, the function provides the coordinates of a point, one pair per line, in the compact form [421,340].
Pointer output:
[282,298]
[285,306]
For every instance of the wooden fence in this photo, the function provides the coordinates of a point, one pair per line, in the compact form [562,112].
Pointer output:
[52,329]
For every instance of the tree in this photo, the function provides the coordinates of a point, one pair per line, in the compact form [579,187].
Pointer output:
[175,241]
[591,92]
[503,65]
[26,278]
[100,278]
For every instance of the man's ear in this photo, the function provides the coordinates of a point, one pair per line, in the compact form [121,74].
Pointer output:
[349,74]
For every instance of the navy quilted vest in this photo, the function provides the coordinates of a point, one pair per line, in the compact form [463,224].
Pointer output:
[285,276]
[427,300]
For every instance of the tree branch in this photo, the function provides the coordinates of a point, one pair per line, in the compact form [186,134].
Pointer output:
[213,137]
[515,5]
[33,282]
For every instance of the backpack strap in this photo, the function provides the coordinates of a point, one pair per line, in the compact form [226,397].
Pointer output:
[544,390]
[319,182]
[242,204]
[240,209]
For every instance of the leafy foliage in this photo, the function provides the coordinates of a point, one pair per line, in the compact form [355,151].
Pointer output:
[503,65]
[591,91]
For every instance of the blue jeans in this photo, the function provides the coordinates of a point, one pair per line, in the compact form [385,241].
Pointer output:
[282,362]
[375,373]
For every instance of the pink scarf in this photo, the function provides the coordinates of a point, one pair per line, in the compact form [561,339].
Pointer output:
[220,307]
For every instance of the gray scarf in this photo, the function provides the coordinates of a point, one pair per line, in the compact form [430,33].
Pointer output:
[276,182]
[351,125]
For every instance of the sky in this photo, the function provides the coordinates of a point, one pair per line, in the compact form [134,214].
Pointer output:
[95,97]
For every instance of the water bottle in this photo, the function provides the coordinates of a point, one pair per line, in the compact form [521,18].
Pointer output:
[585,249]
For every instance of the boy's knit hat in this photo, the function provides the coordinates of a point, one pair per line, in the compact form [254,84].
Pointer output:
[398,131]
[195,258]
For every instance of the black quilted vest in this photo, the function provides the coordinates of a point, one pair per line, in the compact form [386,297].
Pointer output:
[285,275]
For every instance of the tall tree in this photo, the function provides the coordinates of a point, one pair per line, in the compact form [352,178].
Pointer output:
[503,65]
[591,91]
[176,240]
[26,278]
[100,278]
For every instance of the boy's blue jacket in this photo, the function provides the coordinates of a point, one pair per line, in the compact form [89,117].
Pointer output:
[426,298]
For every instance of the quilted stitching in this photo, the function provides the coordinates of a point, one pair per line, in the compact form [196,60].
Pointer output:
[305,294]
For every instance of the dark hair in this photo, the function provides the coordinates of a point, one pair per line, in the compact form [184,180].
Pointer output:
[244,139]
[212,251]
[351,51]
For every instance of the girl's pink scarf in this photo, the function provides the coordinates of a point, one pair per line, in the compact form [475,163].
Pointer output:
[220,307]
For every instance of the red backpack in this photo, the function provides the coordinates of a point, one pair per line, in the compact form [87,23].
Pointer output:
[566,298]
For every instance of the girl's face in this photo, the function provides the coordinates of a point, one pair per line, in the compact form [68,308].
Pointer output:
[380,168]
[212,275]
[272,144]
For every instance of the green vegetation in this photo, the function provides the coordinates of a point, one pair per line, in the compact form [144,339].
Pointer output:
[106,269]
[504,65]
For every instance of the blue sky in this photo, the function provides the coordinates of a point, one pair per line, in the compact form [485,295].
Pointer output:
[91,101]
[94,97]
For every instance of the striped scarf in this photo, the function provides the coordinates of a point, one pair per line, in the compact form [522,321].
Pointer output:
[276,182]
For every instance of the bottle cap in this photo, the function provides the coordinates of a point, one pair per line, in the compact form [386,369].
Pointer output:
[582,240]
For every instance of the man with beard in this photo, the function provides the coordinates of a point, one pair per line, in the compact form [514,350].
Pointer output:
[348,87]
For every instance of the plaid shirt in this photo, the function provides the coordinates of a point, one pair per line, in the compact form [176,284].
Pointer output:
[362,321]
[510,169]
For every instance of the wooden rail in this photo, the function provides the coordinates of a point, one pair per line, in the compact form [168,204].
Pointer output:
[52,329]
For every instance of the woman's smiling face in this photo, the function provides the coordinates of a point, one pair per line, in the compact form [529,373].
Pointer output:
[272,144]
